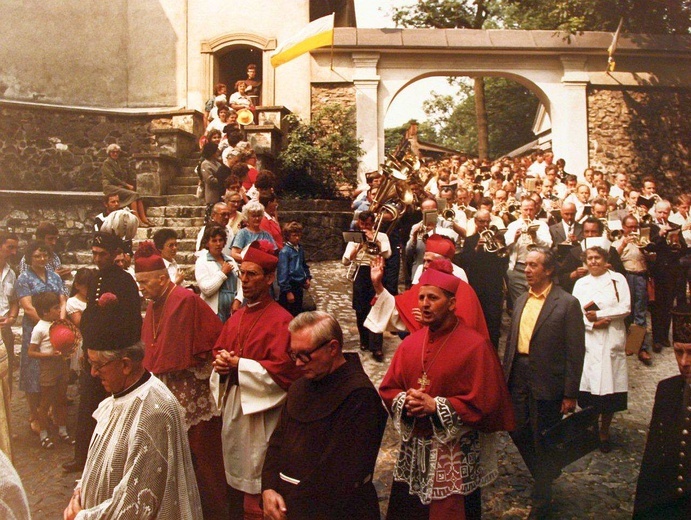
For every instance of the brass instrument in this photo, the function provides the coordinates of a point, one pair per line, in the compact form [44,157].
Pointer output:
[371,248]
[612,234]
[672,238]
[531,232]
[641,237]
[391,200]
[494,242]
[448,214]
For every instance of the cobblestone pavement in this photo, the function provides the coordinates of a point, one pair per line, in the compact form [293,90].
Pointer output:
[597,486]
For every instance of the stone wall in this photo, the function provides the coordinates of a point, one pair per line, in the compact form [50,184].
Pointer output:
[72,213]
[59,149]
[640,133]
[326,93]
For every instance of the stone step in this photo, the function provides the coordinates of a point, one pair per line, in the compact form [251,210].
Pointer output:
[188,170]
[184,200]
[176,211]
[186,180]
[176,222]
[182,190]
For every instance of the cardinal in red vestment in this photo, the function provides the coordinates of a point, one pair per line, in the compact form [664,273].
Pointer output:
[179,332]
[446,393]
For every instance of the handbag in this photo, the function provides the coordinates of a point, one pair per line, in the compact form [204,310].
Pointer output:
[573,437]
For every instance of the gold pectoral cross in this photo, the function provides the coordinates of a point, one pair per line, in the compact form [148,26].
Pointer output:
[423,382]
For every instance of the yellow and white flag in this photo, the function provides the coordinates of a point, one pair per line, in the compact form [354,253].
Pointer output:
[319,33]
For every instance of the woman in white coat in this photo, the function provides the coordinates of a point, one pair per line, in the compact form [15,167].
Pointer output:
[217,274]
[605,299]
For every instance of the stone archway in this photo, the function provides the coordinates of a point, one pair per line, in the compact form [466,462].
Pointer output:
[245,45]
[379,63]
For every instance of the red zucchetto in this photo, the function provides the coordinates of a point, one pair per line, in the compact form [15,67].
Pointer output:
[441,245]
[148,258]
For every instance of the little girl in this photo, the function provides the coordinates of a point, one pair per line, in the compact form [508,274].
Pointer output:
[76,304]
[54,373]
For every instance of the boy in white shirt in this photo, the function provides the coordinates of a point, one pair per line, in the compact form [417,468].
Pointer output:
[54,375]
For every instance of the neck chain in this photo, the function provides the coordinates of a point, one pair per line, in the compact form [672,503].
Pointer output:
[424,381]
[240,341]
[157,330]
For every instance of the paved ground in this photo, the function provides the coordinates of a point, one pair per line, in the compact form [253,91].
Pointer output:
[597,486]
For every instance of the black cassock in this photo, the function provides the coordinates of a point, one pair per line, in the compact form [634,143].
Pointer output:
[664,483]
[322,454]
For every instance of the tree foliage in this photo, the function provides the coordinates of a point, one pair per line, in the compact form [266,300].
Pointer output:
[510,112]
[321,155]
[573,16]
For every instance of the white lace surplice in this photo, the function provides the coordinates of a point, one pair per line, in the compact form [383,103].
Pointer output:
[191,388]
[139,464]
[454,460]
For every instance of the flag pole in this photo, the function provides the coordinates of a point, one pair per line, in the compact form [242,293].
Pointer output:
[333,37]
[611,64]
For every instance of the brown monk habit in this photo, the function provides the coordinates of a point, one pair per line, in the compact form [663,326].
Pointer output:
[326,444]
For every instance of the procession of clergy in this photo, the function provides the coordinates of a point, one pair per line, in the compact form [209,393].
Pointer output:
[298,419]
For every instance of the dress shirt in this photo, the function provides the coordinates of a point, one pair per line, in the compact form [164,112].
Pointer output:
[531,311]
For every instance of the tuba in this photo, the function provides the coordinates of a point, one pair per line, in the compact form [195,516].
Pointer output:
[391,200]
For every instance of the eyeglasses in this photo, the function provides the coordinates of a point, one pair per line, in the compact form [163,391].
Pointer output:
[306,357]
[98,368]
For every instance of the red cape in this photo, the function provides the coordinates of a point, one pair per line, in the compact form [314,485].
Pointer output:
[187,332]
[468,308]
[467,372]
[267,342]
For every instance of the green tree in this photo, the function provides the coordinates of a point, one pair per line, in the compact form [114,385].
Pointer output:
[320,156]
[572,16]
[510,112]
[454,14]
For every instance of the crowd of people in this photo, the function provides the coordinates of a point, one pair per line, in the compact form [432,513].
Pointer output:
[228,400]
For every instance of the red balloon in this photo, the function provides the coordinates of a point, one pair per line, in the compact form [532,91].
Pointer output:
[62,338]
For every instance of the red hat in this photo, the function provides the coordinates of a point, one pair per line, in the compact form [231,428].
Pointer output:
[262,253]
[441,245]
[439,273]
[148,258]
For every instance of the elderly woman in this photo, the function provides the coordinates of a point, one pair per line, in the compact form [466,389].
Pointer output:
[114,180]
[35,280]
[253,212]
[239,99]
[605,299]
[217,274]
[234,201]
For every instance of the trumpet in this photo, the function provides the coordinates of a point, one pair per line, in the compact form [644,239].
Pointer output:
[494,242]
[531,231]
[448,214]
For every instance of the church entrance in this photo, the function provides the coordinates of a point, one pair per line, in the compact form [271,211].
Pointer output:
[232,63]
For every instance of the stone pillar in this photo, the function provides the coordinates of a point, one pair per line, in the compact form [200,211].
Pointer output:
[366,81]
[569,116]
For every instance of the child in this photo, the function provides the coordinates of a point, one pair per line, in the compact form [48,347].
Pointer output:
[292,272]
[76,304]
[54,369]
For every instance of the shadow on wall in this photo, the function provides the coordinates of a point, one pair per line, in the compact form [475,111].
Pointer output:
[120,53]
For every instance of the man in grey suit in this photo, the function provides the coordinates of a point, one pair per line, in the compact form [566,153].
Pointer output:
[543,364]
[568,228]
